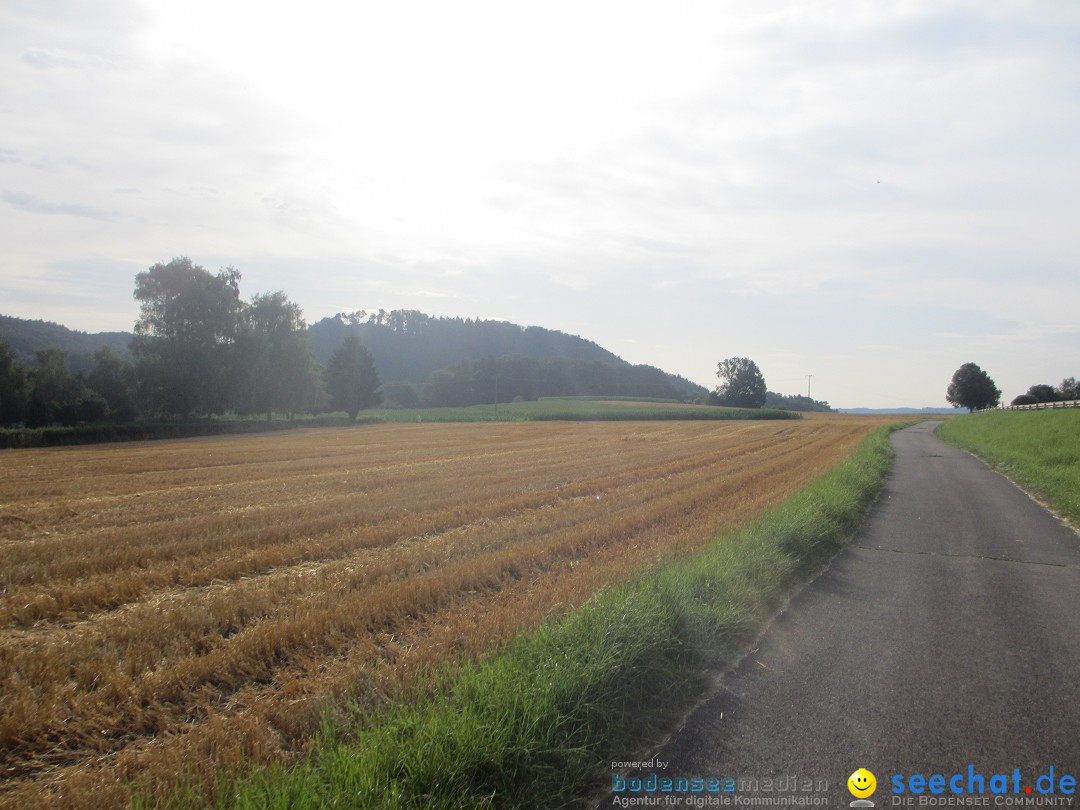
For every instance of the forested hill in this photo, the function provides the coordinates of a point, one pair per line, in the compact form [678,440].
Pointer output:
[26,337]
[410,346]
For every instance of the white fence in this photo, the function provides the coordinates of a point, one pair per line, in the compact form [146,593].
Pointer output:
[1041,406]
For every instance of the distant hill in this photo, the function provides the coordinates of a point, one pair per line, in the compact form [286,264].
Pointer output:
[26,337]
[408,346]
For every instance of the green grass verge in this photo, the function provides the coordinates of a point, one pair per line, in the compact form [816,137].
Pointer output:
[538,723]
[574,409]
[1040,450]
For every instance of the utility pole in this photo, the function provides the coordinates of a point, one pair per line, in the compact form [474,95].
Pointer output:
[808,376]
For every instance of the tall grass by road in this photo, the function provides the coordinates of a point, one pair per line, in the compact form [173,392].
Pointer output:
[535,725]
[1040,450]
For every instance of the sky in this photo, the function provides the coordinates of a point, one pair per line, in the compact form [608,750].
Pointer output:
[871,193]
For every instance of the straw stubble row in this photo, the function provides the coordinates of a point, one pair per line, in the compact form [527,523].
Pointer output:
[166,600]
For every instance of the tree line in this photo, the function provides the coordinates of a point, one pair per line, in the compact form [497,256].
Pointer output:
[516,377]
[200,350]
[1067,391]
[974,389]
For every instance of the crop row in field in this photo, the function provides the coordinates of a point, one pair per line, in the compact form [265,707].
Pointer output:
[188,606]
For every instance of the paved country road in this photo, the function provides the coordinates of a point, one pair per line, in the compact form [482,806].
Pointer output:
[945,640]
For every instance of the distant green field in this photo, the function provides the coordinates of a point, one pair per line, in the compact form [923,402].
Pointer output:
[573,409]
[1040,450]
[582,409]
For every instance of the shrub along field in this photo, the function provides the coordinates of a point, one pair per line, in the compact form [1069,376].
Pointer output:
[174,611]
[1040,450]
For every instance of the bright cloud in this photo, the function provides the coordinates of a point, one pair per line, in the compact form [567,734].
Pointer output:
[871,193]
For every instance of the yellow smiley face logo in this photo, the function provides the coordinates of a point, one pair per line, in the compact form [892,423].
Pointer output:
[861,783]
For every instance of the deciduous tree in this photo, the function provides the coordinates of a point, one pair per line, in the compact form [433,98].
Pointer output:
[274,360]
[54,389]
[972,388]
[113,379]
[14,390]
[188,322]
[351,378]
[399,394]
[743,385]
[1044,393]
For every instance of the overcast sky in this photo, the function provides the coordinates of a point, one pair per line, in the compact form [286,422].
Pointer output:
[870,192]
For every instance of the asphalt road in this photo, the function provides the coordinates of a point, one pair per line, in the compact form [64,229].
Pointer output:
[946,636]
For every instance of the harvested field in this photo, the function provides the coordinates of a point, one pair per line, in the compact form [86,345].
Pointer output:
[187,606]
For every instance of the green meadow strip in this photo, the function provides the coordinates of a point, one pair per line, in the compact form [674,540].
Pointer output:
[1040,450]
[535,725]
[563,409]
[580,409]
